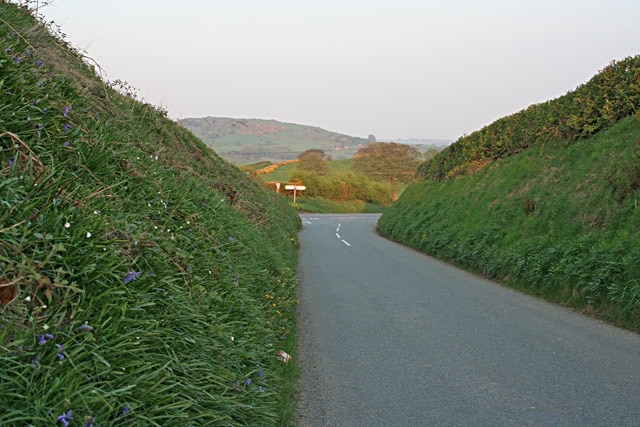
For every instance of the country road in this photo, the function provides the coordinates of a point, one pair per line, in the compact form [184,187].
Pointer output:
[391,337]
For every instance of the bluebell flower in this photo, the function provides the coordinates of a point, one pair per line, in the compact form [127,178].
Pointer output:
[67,143]
[39,63]
[66,127]
[65,418]
[125,410]
[247,381]
[65,111]
[132,275]
[60,354]
[42,339]
[18,59]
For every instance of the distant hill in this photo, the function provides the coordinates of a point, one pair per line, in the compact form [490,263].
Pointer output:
[243,141]
[422,144]
[425,142]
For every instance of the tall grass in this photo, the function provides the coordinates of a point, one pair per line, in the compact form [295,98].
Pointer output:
[143,280]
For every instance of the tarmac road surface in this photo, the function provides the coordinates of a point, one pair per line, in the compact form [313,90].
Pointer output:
[391,337]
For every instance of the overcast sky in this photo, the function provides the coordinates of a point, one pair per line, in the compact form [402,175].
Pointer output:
[395,69]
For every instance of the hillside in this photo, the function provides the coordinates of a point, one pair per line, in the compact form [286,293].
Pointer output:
[545,200]
[143,279]
[244,141]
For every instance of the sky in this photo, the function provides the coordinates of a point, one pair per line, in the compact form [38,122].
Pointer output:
[396,69]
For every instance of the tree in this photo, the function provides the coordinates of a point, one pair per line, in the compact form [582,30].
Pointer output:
[388,160]
[314,160]
[430,153]
[371,138]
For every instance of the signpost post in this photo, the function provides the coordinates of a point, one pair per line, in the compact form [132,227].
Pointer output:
[295,189]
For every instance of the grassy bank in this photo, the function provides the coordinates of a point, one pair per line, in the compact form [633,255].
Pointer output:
[559,220]
[143,279]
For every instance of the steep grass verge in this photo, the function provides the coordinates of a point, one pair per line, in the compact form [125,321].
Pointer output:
[559,220]
[143,280]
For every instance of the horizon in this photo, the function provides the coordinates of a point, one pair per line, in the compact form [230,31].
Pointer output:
[381,139]
[406,69]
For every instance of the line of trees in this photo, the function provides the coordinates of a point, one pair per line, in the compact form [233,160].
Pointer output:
[379,171]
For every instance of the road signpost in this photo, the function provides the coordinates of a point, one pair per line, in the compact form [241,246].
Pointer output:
[295,189]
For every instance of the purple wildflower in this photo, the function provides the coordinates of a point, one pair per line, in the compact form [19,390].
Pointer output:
[11,162]
[260,374]
[247,381]
[89,421]
[66,127]
[132,275]
[125,410]
[39,63]
[65,418]
[65,111]
[42,339]
[18,59]
[60,354]
[67,143]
